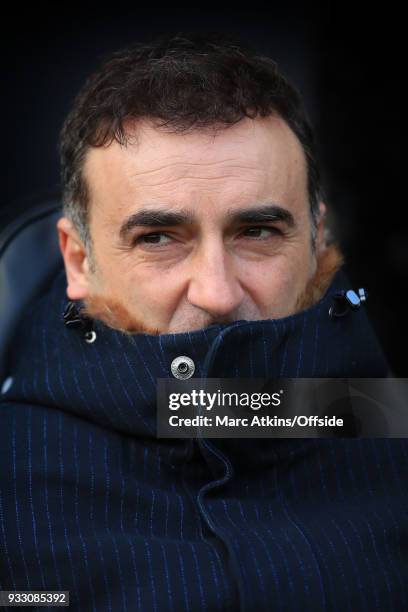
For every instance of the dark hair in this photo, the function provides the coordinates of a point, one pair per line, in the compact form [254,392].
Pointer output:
[182,82]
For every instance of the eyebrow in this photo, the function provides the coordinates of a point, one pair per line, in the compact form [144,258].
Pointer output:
[159,217]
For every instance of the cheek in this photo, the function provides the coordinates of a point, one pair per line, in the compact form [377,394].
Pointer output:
[276,283]
[151,292]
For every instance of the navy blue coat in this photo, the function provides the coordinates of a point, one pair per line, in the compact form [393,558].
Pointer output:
[91,501]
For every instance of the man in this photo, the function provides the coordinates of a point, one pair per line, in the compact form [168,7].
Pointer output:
[193,232]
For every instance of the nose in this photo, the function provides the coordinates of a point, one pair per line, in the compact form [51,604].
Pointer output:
[214,286]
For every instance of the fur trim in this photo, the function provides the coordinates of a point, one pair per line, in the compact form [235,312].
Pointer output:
[328,263]
[115,315]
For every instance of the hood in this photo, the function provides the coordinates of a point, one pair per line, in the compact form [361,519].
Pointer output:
[112,381]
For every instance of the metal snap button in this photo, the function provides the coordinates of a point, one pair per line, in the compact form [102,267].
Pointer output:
[182,367]
[344,300]
[90,336]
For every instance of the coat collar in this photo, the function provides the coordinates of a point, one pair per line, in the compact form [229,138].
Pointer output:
[112,381]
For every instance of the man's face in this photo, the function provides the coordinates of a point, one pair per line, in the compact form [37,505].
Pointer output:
[193,229]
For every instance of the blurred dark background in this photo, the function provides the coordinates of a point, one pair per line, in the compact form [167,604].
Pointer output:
[349,66]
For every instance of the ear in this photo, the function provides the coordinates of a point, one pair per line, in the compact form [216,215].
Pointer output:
[321,234]
[75,260]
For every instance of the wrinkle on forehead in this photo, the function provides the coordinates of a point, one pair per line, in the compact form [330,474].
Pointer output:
[182,162]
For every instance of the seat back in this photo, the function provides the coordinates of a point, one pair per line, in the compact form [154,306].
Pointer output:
[29,259]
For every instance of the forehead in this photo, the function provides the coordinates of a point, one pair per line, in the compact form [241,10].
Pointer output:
[252,160]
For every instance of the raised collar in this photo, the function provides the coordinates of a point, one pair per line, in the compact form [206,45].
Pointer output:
[112,381]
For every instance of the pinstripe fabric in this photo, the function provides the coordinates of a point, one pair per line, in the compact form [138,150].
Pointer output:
[92,502]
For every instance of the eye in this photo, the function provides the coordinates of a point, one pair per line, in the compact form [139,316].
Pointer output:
[261,232]
[159,238]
